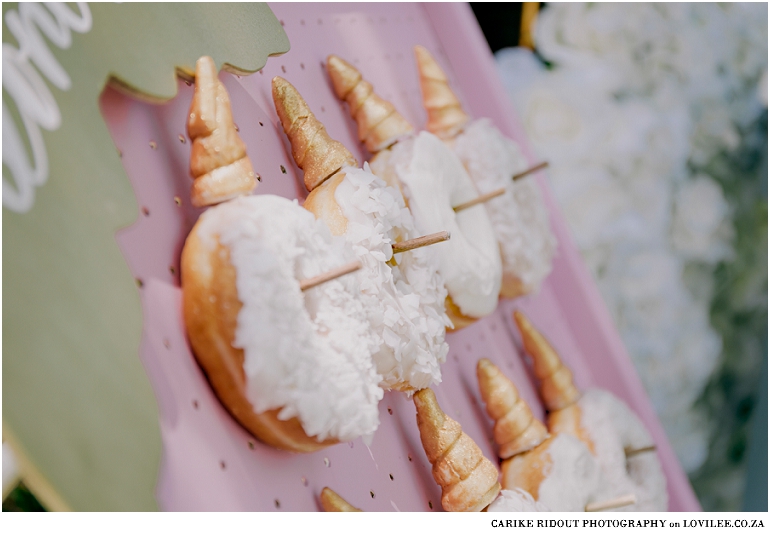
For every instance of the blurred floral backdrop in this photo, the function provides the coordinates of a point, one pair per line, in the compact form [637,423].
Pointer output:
[654,120]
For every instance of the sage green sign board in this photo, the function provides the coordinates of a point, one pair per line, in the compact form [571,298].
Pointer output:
[75,396]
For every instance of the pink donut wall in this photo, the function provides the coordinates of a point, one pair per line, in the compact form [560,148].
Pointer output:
[209,461]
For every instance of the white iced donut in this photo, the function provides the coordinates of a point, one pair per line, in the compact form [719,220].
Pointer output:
[516,501]
[613,428]
[519,217]
[560,473]
[433,181]
[405,295]
[294,368]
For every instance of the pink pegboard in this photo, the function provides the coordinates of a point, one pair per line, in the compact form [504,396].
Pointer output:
[209,461]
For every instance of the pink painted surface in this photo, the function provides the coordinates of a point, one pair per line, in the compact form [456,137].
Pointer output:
[211,463]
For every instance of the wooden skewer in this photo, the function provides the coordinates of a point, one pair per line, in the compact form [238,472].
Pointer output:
[422,241]
[332,274]
[480,199]
[531,170]
[614,503]
[631,452]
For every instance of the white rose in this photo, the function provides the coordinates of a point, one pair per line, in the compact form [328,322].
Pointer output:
[702,228]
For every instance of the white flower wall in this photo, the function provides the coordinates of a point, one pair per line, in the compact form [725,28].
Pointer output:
[638,99]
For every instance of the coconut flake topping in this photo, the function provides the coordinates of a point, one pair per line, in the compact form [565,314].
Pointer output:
[406,300]
[307,353]
[434,180]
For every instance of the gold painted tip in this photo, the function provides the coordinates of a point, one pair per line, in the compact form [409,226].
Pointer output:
[516,430]
[218,161]
[379,124]
[429,67]
[546,360]
[343,75]
[334,503]
[556,389]
[313,150]
[468,480]
[289,104]
[428,409]
[446,117]
[203,121]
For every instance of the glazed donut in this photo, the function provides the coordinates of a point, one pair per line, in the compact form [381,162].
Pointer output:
[602,422]
[406,294]
[294,368]
[519,217]
[613,429]
[433,181]
[557,470]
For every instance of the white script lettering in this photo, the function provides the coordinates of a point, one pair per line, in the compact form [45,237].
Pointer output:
[30,93]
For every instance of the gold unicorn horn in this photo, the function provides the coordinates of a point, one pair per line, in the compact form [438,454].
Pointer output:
[516,429]
[379,124]
[218,162]
[333,502]
[468,480]
[317,154]
[445,113]
[556,387]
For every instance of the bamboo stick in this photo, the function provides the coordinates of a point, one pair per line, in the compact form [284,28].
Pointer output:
[332,274]
[630,452]
[422,241]
[529,171]
[614,503]
[480,199]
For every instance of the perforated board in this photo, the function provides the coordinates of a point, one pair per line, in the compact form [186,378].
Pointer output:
[209,461]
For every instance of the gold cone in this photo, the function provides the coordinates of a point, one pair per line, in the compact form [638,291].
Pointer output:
[333,502]
[218,162]
[516,429]
[556,387]
[317,154]
[468,480]
[379,124]
[445,113]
